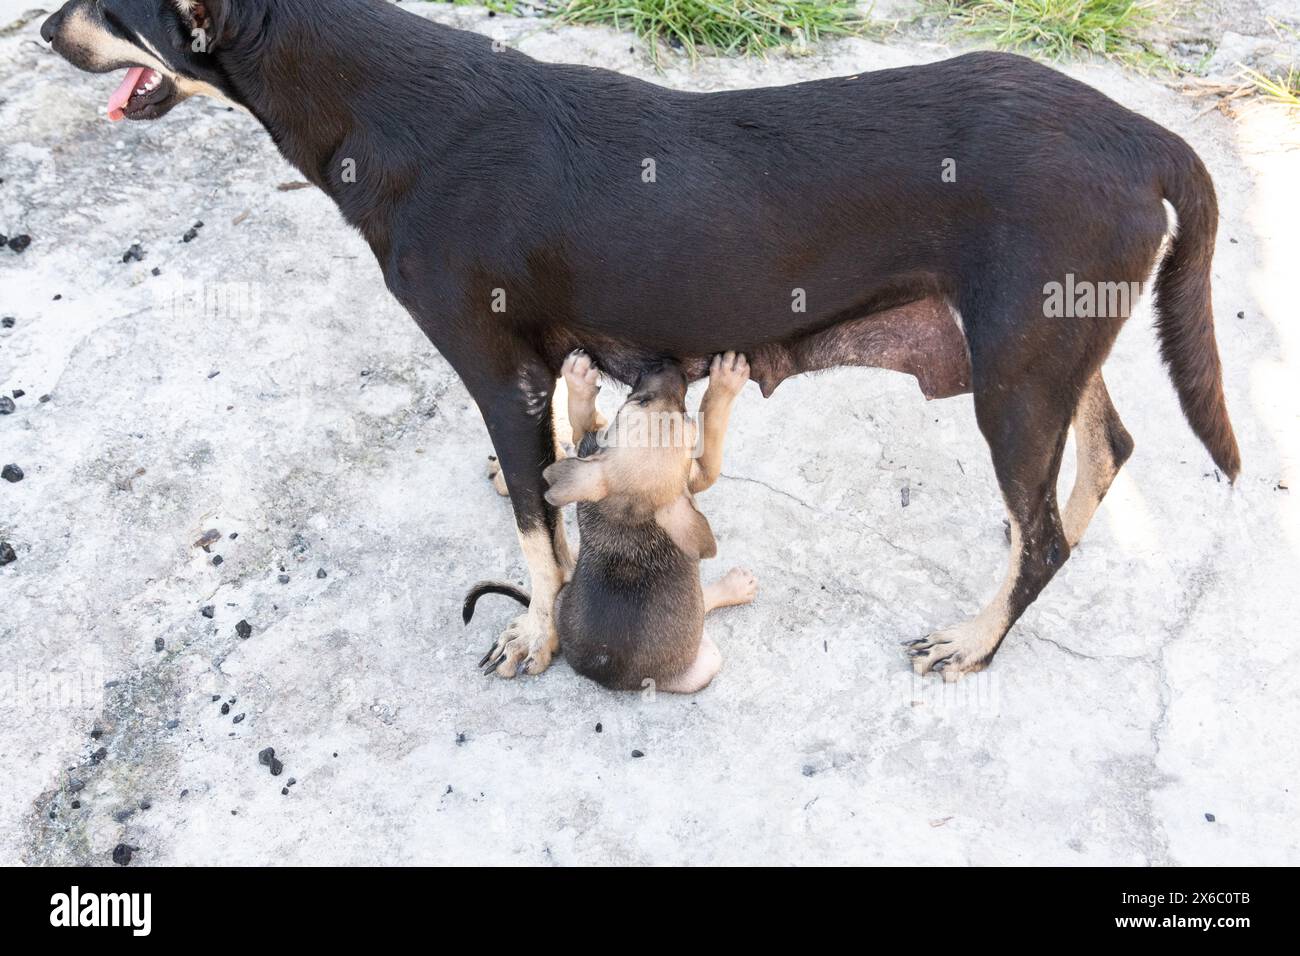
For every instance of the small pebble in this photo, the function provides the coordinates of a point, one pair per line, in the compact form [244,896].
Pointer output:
[292,781]
[600,728]
[1241,315]
[320,573]
[637,754]
[43,399]
[122,854]
[11,473]
[7,405]
[284,579]
[7,322]
[265,755]
[76,804]
[461,739]
[906,495]
[225,709]
[18,393]
[1209,817]
[76,785]
[7,555]
[244,630]
[155,271]
[217,560]
[20,243]
[190,235]
[239,718]
[134,254]
[121,816]
[145,804]
[234,535]
[173,724]
[159,644]
[277,767]
[215,698]
[207,611]
[284,791]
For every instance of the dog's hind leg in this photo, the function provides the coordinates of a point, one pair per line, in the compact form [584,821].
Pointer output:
[1023,406]
[1103,445]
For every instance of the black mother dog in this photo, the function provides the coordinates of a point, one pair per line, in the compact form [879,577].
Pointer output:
[911,219]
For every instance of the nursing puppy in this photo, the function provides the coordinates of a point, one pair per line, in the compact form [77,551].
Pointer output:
[633,614]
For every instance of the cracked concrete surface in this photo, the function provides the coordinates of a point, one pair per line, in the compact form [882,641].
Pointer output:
[1153,683]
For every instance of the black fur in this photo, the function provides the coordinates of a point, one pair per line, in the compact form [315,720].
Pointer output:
[481,173]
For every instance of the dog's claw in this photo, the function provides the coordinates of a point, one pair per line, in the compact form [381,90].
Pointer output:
[495,664]
[488,656]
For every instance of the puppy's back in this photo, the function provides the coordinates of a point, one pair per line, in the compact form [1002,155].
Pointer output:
[634,609]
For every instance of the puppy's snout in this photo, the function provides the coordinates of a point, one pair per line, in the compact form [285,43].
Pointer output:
[50,28]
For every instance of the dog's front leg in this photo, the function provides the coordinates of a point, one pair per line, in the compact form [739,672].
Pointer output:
[517,411]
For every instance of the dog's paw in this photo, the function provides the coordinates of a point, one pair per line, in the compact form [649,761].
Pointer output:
[497,478]
[581,376]
[952,653]
[526,646]
[728,373]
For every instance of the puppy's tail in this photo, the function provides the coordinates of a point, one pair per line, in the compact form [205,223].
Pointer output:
[1184,318]
[491,587]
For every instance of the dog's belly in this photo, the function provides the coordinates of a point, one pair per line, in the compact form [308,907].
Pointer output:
[922,339]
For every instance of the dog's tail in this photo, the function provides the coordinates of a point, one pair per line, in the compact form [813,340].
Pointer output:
[491,587]
[1184,316]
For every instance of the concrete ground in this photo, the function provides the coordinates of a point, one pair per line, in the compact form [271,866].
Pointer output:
[265,385]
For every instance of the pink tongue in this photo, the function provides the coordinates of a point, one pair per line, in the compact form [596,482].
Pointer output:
[123,93]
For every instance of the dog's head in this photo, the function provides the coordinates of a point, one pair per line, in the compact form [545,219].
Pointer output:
[167,47]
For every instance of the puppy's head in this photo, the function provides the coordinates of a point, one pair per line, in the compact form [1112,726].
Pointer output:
[659,388]
[642,470]
[166,47]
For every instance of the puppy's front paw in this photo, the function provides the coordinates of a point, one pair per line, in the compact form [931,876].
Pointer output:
[728,373]
[581,375]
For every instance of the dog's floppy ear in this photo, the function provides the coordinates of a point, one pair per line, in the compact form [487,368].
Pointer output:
[688,528]
[210,21]
[576,479]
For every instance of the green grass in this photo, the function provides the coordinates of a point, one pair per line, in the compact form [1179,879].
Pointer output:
[720,26]
[1283,87]
[1056,29]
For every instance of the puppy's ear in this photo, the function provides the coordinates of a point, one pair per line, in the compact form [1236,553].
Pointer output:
[688,528]
[576,479]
